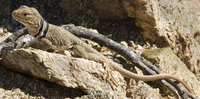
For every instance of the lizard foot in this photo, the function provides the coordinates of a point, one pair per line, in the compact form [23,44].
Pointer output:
[108,71]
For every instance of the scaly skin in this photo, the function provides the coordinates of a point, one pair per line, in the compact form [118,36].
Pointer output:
[60,39]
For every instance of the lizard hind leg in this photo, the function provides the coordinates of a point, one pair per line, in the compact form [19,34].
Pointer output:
[108,72]
[85,52]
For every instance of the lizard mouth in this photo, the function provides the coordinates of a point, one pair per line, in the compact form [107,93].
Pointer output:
[19,18]
[16,16]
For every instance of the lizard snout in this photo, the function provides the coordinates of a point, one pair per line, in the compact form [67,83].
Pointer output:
[14,13]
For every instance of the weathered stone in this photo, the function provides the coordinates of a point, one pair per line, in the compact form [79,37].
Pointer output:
[64,70]
[4,34]
[171,23]
[169,63]
[141,90]
[97,95]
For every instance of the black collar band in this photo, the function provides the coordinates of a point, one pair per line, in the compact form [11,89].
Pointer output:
[45,31]
[41,30]
[42,22]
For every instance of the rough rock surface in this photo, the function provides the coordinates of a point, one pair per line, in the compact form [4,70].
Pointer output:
[170,23]
[141,90]
[15,85]
[4,34]
[65,70]
[169,63]
[97,95]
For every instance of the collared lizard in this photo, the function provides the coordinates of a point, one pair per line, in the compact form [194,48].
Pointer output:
[59,39]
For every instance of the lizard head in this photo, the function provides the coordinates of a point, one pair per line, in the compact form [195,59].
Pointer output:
[28,16]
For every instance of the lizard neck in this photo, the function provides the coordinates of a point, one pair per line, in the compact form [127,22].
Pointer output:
[40,29]
[43,34]
[40,32]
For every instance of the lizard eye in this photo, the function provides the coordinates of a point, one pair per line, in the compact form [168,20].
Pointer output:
[25,15]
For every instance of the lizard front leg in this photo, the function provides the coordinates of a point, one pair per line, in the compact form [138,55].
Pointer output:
[45,44]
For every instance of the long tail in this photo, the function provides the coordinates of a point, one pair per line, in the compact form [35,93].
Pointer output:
[132,75]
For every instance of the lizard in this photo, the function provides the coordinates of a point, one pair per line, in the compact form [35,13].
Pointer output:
[59,39]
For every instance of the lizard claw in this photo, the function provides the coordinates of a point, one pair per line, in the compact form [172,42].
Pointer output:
[108,71]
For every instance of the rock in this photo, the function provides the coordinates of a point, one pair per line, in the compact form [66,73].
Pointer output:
[141,90]
[4,34]
[15,94]
[169,63]
[14,84]
[170,23]
[64,70]
[96,95]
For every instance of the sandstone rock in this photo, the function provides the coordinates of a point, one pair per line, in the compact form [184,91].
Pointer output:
[4,34]
[141,90]
[64,70]
[171,23]
[97,95]
[169,63]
